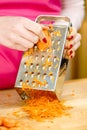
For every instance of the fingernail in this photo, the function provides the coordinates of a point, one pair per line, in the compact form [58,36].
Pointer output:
[70,46]
[70,38]
[44,40]
[71,57]
[50,26]
[70,52]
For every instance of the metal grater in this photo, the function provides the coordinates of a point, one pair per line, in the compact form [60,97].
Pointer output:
[45,69]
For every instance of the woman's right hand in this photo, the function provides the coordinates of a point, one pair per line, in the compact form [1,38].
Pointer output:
[19,33]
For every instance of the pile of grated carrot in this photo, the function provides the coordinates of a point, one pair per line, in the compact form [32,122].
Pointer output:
[44,105]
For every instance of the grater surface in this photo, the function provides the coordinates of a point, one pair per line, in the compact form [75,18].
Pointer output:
[40,70]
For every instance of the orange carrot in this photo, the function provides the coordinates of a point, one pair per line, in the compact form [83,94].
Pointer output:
[9,122]
[13,124]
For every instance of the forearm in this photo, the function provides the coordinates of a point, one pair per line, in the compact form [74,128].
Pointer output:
[74,9]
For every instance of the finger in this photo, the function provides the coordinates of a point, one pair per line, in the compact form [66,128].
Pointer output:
[32,26]
[44,27]
[75,40]
[76,46]
[14,38]
[73,49]
[43,37]
[72,33]
[35,28]
[19,47]
[69,55]
[11,45]
[72,55]
[26,34]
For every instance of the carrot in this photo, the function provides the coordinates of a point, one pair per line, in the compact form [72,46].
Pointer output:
[42,46]
[9,122]
[13,124]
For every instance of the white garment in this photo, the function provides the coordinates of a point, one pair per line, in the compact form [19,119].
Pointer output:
[74,9]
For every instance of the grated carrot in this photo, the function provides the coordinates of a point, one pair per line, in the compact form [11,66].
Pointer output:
[44,105]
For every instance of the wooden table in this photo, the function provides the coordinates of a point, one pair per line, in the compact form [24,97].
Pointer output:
[75,94]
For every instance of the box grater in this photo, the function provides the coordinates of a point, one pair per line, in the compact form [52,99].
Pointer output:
[45,70]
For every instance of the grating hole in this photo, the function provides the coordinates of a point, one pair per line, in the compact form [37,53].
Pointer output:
[55,58]
[51,74]
[37,65]
[53,42]
[26,73]
[48,50]
[24,64]
[49,57]
[43,67]
[31,65]
[21,80]
[27,81]
[38,74]
[44,75]
[46,85]
[36,56]
[35,47]
[42,57]
[33,83]
[32,73]
[53,51]
[50,67]
[58,42]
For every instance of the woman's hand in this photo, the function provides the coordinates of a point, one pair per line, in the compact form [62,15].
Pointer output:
[19,33]
[72,43]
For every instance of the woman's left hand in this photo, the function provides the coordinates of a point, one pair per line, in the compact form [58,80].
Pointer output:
[72,43]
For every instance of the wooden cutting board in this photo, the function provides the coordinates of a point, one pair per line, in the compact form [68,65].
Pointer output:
[75,94]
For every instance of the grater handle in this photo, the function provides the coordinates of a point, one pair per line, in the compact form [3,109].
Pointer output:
[53,18]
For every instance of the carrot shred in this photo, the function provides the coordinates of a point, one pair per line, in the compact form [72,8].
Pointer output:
[43,105]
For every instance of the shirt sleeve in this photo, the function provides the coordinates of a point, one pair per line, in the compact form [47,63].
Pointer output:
[74,9]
